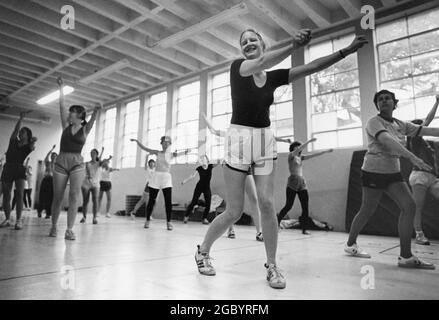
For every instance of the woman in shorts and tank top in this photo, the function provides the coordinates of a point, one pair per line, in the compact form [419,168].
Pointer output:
[162,178]
[90,185]
[250,144]
[296,183]
[422,181]
[381,173]
[69,165]
[105,185]
[21,144]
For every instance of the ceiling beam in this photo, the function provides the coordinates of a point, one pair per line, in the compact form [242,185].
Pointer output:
[351,7]
[288,23]
[316,12]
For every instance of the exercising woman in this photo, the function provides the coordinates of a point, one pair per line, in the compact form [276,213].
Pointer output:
[28,186]
[46,187]
[69,165]
[90,184]
[250,144]
[203,187]
[381,173]
[422,181]
[105,185]
[21,144]
[250,190]
[296,182]
[162,178]
[150,169]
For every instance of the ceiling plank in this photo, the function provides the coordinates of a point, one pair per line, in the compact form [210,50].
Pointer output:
[351,7]
[316,12]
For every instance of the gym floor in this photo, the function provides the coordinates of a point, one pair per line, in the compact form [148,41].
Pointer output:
[119,259]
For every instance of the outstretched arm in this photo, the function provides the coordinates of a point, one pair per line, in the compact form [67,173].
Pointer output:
[302,147]
[141,146]
[316,154]
[94,115]
[274,57]
[192,176]
[180,153]
[327,61]
[283,140]
[64,113]
[218,133]
[432,113]
[397,148]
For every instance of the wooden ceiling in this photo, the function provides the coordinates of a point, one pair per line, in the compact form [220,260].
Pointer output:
[163,40]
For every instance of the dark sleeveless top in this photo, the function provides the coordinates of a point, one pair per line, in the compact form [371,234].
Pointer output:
[72,143]
[17,154]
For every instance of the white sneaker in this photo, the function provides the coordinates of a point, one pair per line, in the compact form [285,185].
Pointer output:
[204,263]
[108,215]
[274,277]
[356,251]
[414,263]
[169,226]
[6,223]
[146,226]
[422,239]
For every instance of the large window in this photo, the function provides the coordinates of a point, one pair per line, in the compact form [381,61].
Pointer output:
[131,126]
[186,133]
[155,115]
[109,129]
[281,112]
[335,98]
[221,113]
[408,56]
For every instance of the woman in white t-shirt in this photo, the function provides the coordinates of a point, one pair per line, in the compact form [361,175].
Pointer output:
[105,185]
[150,169]
[381,173]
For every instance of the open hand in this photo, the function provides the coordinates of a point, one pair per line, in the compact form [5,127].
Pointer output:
[60,81]
[357,43]
[303,37]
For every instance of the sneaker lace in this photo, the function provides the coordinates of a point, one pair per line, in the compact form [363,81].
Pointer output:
[274,272]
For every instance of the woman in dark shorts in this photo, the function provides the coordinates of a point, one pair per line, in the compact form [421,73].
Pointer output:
[105,185]
[381,173]
[69,165]
[250,143]
[21,144]
[150,168]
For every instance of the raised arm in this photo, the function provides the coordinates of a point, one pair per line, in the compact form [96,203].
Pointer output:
[26,163]
[316,154]
[17,126]
[192,176]
[395,147]
[327,61]
[432,113]
[180,153]
[302,147]
[276,56]
[64,113]
[218,133]
[94,115]
[47,158]
[141,146]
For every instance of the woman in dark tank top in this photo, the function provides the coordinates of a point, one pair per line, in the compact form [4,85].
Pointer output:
[69,165]
[21,144]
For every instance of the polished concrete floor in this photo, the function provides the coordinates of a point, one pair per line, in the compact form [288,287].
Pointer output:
[118,259]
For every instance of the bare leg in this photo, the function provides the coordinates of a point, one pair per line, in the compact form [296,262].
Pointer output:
[419,193]
[235,182]
[109,196]
[85,198]
[401,194]
[19,185]
[139,203]
[76,179]
[369,203]
[101,195]
[250,191]
[265,187]
[59,187]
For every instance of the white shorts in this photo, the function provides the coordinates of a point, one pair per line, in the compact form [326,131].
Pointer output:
[161,180]
[423,178]
[248,149]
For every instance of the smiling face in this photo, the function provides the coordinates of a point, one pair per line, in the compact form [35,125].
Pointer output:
[94,154]
[252,46]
